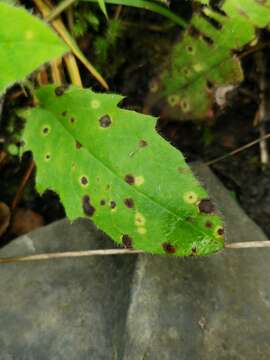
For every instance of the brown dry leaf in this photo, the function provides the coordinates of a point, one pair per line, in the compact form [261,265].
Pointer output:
[24,221]
[4,218]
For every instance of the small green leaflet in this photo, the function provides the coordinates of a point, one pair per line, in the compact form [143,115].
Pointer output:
[25,43]
[102,6]
[204,60]
[109,164]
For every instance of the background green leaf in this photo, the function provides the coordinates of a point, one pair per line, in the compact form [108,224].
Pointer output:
[148,5]
[110,165]
[102,6]
[203,59]
[25,43]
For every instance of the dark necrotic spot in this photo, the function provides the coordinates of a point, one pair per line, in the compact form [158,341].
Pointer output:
[194,32]
[143,143]
[87,207]
[206,206]
[129,179]
[102,202]
[212,21]
[129,203]
[216,5]
[207,39]
[64,113]
[127,241]
[84,180]
[78,145]
[220,231]
[168,248]
[47,156]
[105,121]
[72,120]
[45,130]
[112,204]
[60,90]
[194,250]
[210,84]
[208,224]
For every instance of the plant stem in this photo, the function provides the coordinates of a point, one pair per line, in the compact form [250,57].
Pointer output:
[68,254]
[236,151]
[248,245]
[143,4]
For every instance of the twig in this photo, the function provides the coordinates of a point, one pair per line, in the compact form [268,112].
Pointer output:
[60,28]
[248,245]
[59,9]
[3,155]
[261,114]
[236,151]
[68,254]
[23,184]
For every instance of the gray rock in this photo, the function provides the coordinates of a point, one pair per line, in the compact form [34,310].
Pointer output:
[136,307]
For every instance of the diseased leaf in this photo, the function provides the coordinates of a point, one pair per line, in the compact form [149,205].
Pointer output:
[204,59]
[25,43]
[110,165]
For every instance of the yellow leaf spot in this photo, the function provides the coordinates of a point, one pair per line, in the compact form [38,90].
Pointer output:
[84,181]
[198,67]
[219,232]
[173,100]
[29,35]
[153,87]
[47,157]
[142,230]
[185,105]
[190,197]
[139,180]
[139,219]
[95,104]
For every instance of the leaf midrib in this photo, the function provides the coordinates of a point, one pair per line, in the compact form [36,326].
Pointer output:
[141,193]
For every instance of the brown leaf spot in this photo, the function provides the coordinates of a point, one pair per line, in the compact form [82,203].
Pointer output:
[45,130]
[129,179]
[102,202]
[112,204]
[105,121]
[208,224]
[193,251]
[78,145]
[127,241]
[220,231]
[64,113]
[72,120]
[168,248]
[129,203]
[60,90]
[206,206]
[143,143]
[87,207]
[84,180]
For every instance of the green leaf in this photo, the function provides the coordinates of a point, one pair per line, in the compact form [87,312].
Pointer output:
[103,7]
[204,59]
[110,165]
[25,44]
[148,5]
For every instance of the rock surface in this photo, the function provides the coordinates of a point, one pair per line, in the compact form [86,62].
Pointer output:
[136,307]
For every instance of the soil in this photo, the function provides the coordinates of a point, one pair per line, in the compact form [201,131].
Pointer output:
[232,127]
